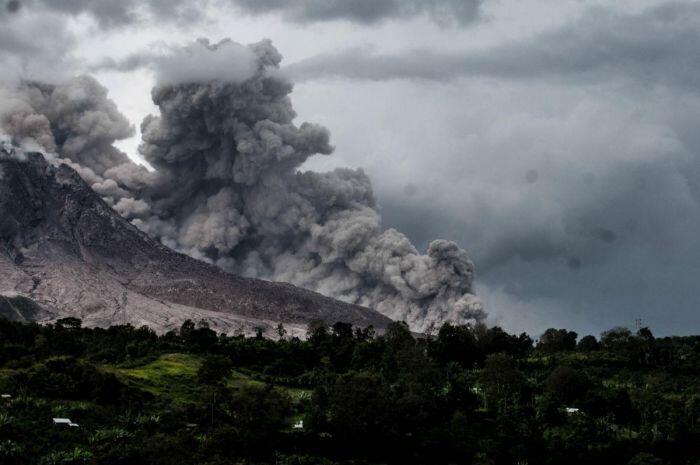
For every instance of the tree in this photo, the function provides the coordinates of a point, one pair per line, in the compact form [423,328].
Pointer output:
[281,332]
[616,339]
[455,344]
[615,404]
[579,440]
[644,458]
[503,385]
[645,334]
[482,459]
[77,456]
[557,340]
[68,378]
[365,334]
[316,329]
[459,395]
[69,323]
[197,337]
[186,328]
[259,333]
[213,370]
[11,453]
[494,340]
[358,406]
[588,344]
[258,414]
[341,346]
[567,385]
[342,331]
[399,335]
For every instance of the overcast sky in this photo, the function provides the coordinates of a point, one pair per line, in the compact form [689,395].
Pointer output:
[557,141]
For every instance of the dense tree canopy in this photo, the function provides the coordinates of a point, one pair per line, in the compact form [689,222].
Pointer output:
[472,395]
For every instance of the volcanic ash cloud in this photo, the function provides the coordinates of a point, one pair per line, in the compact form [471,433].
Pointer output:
[227,186]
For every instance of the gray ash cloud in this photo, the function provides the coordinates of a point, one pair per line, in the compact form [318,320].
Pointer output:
[365,11]
[228,186]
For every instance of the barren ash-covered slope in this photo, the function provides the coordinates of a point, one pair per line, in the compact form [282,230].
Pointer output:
[64,252]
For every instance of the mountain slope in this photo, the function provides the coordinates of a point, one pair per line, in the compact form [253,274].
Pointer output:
[64,248]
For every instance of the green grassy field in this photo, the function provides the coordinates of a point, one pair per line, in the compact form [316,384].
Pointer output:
[173,377]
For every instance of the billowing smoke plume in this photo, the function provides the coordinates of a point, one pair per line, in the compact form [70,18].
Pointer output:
[228,188]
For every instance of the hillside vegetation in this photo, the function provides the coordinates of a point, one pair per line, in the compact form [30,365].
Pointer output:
[465,395]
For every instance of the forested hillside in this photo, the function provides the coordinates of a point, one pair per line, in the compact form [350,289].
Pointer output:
[465,395]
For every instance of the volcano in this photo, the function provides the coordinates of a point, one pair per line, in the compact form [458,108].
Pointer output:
[65,252]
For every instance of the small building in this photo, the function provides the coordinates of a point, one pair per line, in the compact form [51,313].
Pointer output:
[65,422]
[299,424]
[571,410]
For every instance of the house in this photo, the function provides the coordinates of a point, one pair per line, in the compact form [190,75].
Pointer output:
[65,422]
[299,424]
[571,410]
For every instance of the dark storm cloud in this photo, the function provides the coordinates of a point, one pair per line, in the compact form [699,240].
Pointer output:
[623,249]
[13,6]
[364,11]
[606,229]
[10,42]
[640,204]
[603,225]
[36,41]
[109,13]
[658,45]
[646,206]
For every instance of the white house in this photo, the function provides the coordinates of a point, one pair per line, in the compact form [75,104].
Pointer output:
[65,422]
[299,424]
